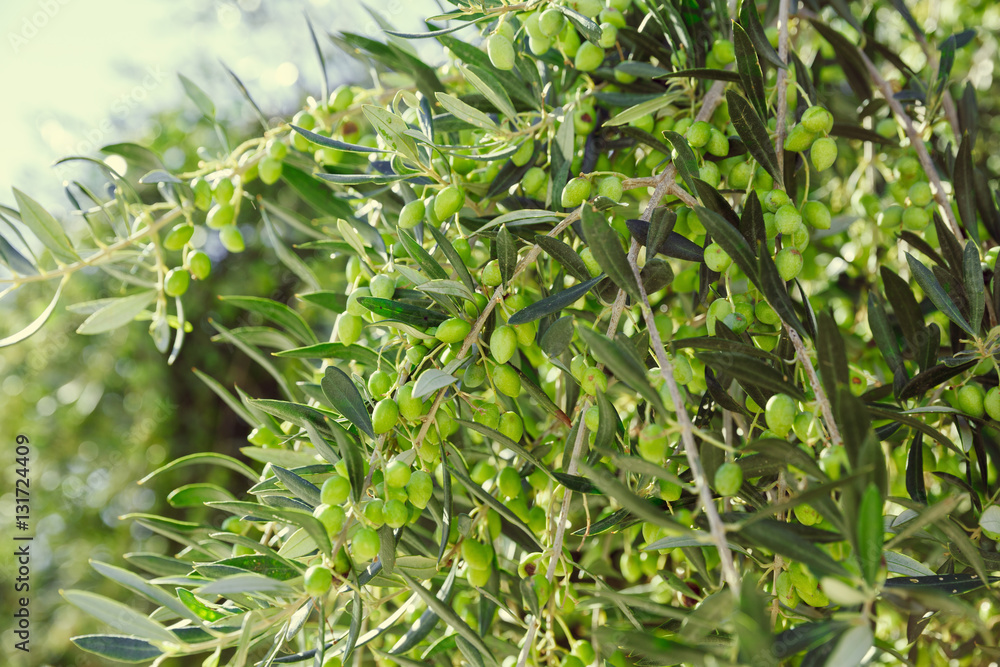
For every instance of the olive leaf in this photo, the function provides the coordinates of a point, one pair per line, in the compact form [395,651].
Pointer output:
[345,398]
[605,244]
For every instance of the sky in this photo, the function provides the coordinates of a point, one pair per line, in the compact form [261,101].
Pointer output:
[78,74]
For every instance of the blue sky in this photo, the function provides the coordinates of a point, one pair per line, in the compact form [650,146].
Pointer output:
[78,74]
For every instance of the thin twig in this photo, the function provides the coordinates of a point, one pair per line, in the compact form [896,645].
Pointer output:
[820,393]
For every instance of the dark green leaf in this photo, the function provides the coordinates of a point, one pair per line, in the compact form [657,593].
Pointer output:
[278,313]
[118,647]
[565,255]
[848,58]
[621,363]
[605,244]
[776,293]
[750,21]
[972,281]
[555,303]
[315,193]
[953,584]
[587,27]
[506,253]
[686,161]
[557,336]
[748,67]
[731,241]
[656,275]
[915,470]
[702,73]
[358,353]
[472,55]
[329,142]
[882,333]
[421,256]
[750,370]
[780,538]
[932,288]
[870,531]
[609,423]
[453,257]
[300,488]
[537,393]
[340,391]
[754,134]
[403,312]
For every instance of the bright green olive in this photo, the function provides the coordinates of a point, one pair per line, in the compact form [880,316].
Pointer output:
[332,517]
[232,239]
[716,258]
[992,403]
[501,51]
[453,330]
[318,580]
[176,282]
[653,443]
[509,482]
[269,170]
[365,545]
[491,276]
[379,383]
[178,237]
[728,479]
[349,328]
[780,413]
[698,134]
[419,488]
[920,193]
[724,51]
[385,416]
[507,381]
[487,414]
[593,381]
[220,216]
[412,214]
[823,153]
[474,376]
[789,262]
[575,192]
[503,344]
[816,214]
[396,514]
[787,219]
[224,191]
[382,286]
[799,139]
[448,202]
[511,425]
[817,120]
[971,399]
[335,490]
[610,187]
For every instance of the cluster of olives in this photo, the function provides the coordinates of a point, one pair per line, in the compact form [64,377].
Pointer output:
[545,28]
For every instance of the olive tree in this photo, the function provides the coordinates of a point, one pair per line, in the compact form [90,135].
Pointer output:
[632,333]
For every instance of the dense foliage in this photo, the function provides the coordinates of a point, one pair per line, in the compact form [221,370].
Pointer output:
[637,332]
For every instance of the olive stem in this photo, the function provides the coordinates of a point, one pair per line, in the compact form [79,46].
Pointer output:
[821,397]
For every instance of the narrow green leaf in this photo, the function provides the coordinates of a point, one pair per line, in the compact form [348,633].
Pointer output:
[118,647]
[448,615]
[754,134]
[700,73]
[294,517]
[731,241]
[328,142]
[506,253]
[778,537]
[403,312]
[255,354]
[932,288]
[622,364]
[972,281]
[557,336]
[300,488]
[39,321]
[201,459]
[685,161]
[883,334]
[430,381]
[915,470]
[137,584]
[196,495]
[870,531]
[453,257]
[354,352]
[606,247]
[750,370]
[345,398]
[392,129]
[278,313]
[352,454]
[489,86]
[750,21]
[119,616]
[748,67]
[587,26]
[198,96]
[952,584]
[245,583]
[463,111]
[636,505]
[315,193]
[555,303]
[776,293]
[565,255]
[416,251]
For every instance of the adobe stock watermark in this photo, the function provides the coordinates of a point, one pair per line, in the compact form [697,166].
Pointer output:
[33,22]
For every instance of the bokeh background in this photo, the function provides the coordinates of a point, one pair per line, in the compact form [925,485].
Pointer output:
[103,411]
